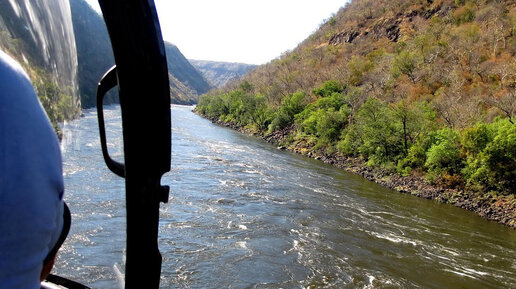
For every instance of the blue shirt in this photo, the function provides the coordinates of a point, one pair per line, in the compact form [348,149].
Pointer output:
[31,180]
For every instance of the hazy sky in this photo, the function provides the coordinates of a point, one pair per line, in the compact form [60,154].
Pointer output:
[245,31]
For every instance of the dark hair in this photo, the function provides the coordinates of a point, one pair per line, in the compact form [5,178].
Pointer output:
[67,221]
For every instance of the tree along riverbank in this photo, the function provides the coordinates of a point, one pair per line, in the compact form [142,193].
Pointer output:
[494,207]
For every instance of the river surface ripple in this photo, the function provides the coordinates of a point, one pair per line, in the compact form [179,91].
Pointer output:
[243,214]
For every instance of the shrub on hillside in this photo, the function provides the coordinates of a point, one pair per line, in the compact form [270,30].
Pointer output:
[444,155]
[494,167]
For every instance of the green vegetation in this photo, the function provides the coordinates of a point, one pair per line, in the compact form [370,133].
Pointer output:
[423,87]
[407,137]
[58,104]
[239,107]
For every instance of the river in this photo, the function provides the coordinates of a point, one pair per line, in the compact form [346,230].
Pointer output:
[243,214]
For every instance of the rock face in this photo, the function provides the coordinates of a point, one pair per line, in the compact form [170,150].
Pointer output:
[219,73]
[390,28]
[344,37]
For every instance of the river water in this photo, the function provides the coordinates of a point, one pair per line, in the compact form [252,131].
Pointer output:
[243,214]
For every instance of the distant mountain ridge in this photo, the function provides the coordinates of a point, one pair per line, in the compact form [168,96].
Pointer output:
[95,57]
[219,73]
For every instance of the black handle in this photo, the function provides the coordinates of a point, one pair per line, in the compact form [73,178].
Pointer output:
[107,82]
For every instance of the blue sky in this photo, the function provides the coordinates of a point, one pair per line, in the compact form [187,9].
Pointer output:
[252,32]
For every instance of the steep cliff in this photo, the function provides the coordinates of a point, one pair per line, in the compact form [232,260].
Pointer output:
[94,52]
[39,35]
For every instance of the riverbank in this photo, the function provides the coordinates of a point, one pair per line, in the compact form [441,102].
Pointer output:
[501,209]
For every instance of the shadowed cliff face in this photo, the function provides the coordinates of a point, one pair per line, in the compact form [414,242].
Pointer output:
[39,34]
[95,55]
[45,28]
[186,82]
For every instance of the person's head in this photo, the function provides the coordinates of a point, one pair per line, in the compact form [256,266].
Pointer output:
[31,182]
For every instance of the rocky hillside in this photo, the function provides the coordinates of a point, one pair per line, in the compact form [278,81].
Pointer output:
[95,57]
[219,73]
[439,50]
[422,89]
